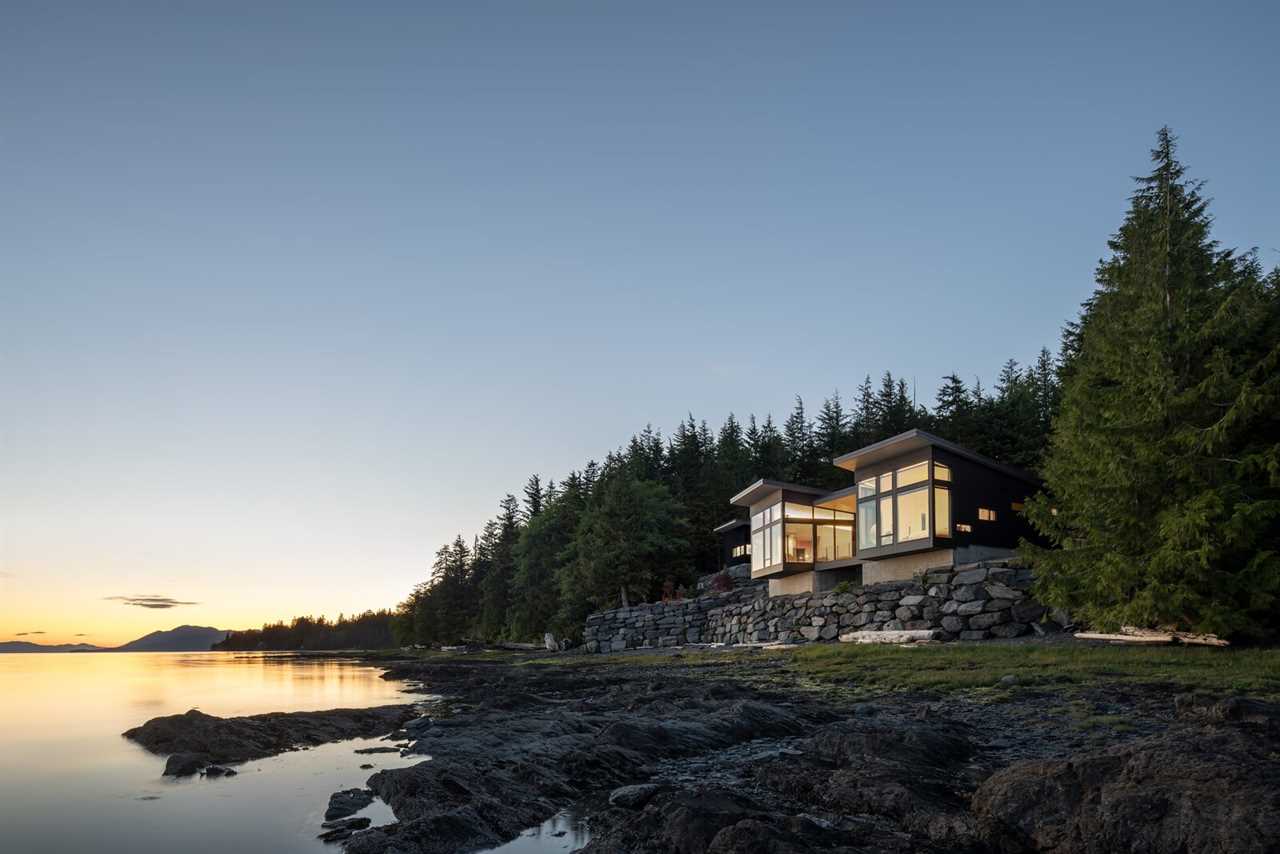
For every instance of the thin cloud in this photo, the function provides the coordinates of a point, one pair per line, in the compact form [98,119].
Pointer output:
[24,634]
[80,635]
[150,601]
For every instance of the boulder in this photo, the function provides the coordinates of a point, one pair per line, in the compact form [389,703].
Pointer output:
[633,797]
[347,802]
[185,764]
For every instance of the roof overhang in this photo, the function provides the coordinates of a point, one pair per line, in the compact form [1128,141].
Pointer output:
[912,440]
[730,525]
[761,488]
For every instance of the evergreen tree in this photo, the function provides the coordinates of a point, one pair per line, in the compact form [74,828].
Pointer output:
[541,552]
[533,497]
[797,443]
[866,417]
[1163,473]
[499,542]
[631,537]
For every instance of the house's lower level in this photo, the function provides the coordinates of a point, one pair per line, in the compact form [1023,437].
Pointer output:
[917,502]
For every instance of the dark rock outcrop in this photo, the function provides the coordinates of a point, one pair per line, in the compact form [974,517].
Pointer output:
[346,803]
[195,739]
[1212,791]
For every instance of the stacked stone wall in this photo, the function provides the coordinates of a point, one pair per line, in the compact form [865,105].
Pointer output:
[969,602]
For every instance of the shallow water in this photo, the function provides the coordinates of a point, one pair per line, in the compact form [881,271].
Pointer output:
[70,783]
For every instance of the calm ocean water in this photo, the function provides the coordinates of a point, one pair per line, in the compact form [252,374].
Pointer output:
[70,783]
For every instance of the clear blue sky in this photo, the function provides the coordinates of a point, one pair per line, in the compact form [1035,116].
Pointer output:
[291,293]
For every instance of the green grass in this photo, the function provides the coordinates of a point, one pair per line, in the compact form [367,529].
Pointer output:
[879,669]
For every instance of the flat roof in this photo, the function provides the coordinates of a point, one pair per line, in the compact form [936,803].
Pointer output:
[912,440]
[730,525]
[764,486]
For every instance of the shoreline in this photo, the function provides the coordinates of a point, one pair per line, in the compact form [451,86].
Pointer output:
[729,750]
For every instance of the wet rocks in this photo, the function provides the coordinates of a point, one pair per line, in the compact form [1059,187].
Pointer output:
[633,797]
[347,802]
[342,828]
[1207,792]
[185,764]
[195,739]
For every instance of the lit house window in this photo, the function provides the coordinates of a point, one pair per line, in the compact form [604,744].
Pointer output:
[766,537]
[941,511]
[1017,506]
[941,471]
[913,515]
[964,528]
[742,550]
[985,515]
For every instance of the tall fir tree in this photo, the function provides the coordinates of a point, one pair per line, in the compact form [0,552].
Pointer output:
[1163,473]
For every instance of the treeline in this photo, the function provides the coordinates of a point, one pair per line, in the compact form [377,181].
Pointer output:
[641,522]
[370,630]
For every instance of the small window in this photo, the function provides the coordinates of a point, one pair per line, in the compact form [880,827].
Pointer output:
[823,513]
[868,536]
[799,511]
[941,471]
[866,487]
[941,511]
[917,473]
[886,481]
[964,528]
[886,521]
[986,515]
[843,514]
[1017,506]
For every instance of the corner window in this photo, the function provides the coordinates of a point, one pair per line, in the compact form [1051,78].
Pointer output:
[941,471]
[941,511]
[986,515]
[799,544]
[867,487]
[757,551]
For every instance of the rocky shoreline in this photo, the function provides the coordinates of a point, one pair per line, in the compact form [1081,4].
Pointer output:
[196,742]
[732,754]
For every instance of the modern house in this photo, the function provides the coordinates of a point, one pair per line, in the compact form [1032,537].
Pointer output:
[917,502]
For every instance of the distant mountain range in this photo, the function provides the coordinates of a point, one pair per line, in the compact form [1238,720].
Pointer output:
[180,639]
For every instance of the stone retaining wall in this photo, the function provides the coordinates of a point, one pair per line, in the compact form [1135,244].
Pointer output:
[968,602]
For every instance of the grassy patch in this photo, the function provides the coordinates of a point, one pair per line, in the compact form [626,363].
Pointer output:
[952,667]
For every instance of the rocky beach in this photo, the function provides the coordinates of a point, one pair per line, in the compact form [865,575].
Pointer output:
[745,751]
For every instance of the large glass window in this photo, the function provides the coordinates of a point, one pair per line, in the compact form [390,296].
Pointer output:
[941,511]
[799,511]
[844,542]
[775,544]
[867,536]
[917,473]
[799,543]
[913,515]
[866,487]
[757,550]
[886,521]
[826,542]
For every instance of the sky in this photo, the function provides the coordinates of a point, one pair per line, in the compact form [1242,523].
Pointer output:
[292,293]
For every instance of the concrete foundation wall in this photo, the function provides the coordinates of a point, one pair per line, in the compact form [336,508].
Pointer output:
[904,567]
[788,585]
